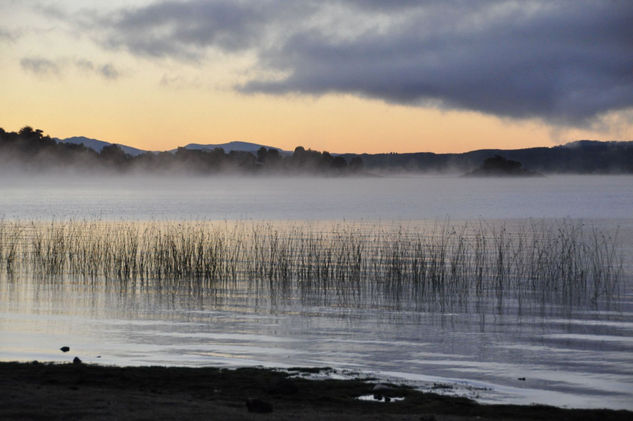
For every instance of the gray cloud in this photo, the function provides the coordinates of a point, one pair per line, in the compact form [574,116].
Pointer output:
[85,65]
[173,81]
[184,29]
[564,65]
[7,35]
[107,71]
[43,67]
[39,66]
[565,61]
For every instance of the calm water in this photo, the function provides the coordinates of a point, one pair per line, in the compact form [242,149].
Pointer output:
[581,356]
[387,199]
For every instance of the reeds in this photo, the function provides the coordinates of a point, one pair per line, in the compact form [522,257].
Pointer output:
[444,265]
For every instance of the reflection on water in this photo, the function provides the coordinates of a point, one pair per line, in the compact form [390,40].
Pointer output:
[569,353]
[579,359]
[576,353]
[421,266]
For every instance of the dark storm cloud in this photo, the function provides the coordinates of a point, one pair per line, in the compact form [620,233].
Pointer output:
[184,29]
[39,66]
[564,61]
[564,64]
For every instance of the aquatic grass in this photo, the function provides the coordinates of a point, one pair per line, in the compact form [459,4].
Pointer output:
[10,241]
[442,265]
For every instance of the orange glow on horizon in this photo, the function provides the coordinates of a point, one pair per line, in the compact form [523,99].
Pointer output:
[138,111]
[162,102]
[334,123]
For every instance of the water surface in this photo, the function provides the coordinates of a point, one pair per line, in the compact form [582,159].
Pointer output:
[580,356]
[297,198]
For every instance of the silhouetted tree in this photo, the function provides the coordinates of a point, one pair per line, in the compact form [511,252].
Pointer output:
[273,156]
[339,163]
[114,155]
[499,163]
[261,154]
[356,164]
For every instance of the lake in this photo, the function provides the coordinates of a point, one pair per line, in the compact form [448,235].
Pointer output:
[544,351]
[387,198]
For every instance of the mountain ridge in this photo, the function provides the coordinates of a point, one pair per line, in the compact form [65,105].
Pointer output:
[236,145]
[242,146]
[580,157]
[98,145]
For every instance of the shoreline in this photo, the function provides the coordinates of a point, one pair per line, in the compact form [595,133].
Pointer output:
[84,391]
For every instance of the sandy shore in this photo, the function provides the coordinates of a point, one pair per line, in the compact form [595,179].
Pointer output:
[80,391]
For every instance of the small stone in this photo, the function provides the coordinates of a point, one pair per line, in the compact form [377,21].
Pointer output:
[258,406]
[381,387]
[64,349]
[77,361]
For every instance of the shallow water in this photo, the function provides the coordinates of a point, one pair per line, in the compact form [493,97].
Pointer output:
[580,356]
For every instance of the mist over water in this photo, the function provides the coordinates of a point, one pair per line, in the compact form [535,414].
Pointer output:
[315,198]
[578,355]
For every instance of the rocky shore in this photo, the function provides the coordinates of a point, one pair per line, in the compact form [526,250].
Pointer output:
[80,391]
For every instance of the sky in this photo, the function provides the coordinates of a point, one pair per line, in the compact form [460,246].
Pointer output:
[337,75]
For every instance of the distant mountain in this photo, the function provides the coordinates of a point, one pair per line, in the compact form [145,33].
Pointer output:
[97,145]
[580,157]
[31,150]
[233,146]
[597,144]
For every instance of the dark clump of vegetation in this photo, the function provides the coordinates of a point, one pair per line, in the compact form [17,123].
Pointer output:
[500,166]
[32,151]
[441,266]
[67,391]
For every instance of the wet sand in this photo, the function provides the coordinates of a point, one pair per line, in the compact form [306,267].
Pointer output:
[80,391]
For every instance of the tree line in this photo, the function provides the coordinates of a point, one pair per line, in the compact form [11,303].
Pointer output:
[30,149]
